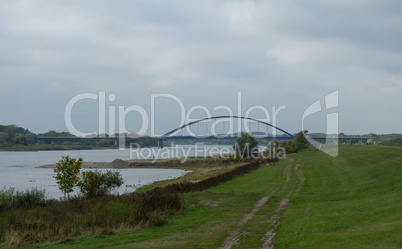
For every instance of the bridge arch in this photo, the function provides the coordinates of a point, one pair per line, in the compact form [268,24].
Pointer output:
[166,135]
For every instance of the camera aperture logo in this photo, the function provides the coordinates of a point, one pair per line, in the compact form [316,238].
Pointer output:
[330,147]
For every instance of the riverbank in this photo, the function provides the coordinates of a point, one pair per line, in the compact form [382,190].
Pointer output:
[61,220]
[309,200]
[201,169]
[170,163]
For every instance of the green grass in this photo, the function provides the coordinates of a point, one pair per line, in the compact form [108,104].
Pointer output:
[21,222]
[207,218]
[351,201]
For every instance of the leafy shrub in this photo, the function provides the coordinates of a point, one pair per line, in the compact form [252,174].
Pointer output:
[29,198]
[67,171]
[246,146]
[6,196]
[96,183]
[290,147]
[300,140]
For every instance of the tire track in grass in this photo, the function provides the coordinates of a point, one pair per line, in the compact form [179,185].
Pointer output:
[274,220]
[235,235]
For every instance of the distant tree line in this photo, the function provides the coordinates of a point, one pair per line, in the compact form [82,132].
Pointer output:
[14,135]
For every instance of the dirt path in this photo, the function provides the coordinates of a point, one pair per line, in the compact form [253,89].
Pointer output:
[292,182]
[274,222]
[296,181]
[234,236]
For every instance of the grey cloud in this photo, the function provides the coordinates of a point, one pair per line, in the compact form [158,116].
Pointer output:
[275,52]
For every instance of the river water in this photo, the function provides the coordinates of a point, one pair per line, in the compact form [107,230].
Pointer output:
[19,169]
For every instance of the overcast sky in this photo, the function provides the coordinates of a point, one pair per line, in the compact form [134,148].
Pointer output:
[275,53]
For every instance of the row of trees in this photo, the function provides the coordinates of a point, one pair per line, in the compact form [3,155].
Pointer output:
[12,134]
[246,146]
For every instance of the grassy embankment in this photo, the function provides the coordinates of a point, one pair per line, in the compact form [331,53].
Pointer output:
[310,200]
[201,169]
[32,219]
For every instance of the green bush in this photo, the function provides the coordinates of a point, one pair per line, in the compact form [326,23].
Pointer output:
[27,198]
[300,140]
[246,146]
[67,171]
[290,147]
[96,183]
[6,196]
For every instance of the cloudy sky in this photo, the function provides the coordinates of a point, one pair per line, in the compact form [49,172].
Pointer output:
[273,53]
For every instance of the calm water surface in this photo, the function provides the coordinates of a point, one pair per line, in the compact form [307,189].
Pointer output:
[19,169]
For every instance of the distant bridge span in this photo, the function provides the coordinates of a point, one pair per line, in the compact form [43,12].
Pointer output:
[166,136]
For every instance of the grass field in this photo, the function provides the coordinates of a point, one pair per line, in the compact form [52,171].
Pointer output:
[309,200]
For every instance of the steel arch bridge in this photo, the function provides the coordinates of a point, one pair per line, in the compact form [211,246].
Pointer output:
[166,136]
